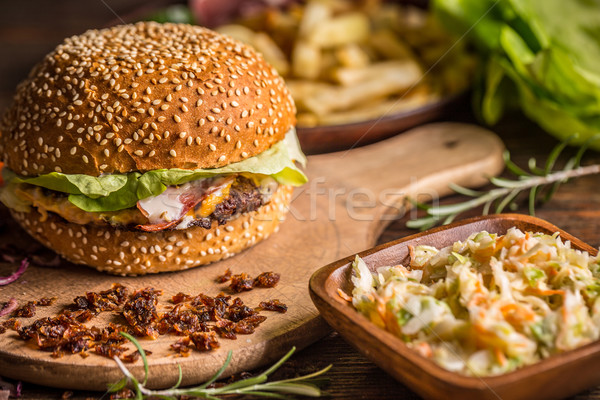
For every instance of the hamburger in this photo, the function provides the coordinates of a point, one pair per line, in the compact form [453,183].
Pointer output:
[150,147]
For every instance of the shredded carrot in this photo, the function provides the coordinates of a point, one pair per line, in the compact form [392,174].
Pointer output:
[425,349]
[500,356]
[344,295]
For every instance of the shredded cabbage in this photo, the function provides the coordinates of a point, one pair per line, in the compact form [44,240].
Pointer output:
[488,305]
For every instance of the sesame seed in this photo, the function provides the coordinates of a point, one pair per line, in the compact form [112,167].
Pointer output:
[138,153]
[212,147]
[173,153]
[177,118]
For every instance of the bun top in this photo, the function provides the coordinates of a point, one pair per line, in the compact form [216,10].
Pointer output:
[143,97]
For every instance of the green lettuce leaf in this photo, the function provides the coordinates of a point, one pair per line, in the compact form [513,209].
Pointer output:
[549,50]
[124,197]
[121,191]
[86,185]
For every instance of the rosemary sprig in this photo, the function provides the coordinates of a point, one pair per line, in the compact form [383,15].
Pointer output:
[255,386]
[536,180]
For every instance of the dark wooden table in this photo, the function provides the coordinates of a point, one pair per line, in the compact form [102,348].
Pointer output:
[29,29]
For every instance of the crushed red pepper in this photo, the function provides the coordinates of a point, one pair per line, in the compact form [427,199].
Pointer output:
[200,320]
[26,311]
[134,356]
[243,282]
[180,298]
[46,301]
[267,279]
[225,277]
[273,305]
[140,312]
[205,341]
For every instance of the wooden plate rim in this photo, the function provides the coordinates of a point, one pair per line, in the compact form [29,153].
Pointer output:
[322,298]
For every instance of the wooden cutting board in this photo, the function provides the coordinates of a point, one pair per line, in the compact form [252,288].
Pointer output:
[349,200]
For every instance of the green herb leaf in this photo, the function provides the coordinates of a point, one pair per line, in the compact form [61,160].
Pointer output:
[507,190]
[254,386]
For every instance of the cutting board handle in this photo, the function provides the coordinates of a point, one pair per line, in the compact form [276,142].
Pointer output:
[373,181]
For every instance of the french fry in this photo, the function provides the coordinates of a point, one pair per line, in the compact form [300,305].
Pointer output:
[315,14]
[307,119]
[379,109]
[348,28]
[271,52]
[261,42]
[302,89]
[335,98]
[399,69]
[306,60]
[387,43]
[354,60]
[352,55]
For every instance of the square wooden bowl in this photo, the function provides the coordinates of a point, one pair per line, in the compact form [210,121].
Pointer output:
[556,377]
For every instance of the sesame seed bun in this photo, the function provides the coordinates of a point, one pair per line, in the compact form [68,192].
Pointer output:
[140,98]
[144,97]
[131,252]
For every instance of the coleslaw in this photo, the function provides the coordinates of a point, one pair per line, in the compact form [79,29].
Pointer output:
[487,305]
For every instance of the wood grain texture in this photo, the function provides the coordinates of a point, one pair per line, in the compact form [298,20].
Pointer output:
[423,375]
[341,211]
[30,29]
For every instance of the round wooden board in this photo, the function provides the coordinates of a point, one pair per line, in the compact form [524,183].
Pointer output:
[348,201]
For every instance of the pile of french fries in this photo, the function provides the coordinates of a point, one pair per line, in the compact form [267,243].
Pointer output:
[347,61]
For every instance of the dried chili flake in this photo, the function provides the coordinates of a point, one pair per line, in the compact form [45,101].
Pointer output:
[237,311]
[182,346]
[267,279]
[133,356]
[107,300]
[225,277]
[109,349]
[26,311]
[241,283]
[221,304]
[46,301]
[182,321]
[273,305]
[180,298]
[79,315]
[140,311]
[205,341]
[225,328]
[248,325]
[11,323]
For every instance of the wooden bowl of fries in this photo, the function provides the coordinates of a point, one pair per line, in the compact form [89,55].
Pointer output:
[359,70]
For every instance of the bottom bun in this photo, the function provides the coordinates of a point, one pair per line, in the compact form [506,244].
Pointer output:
[132,252]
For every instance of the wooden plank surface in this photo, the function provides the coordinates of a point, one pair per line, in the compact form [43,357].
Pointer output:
[339,212]
[30,29]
